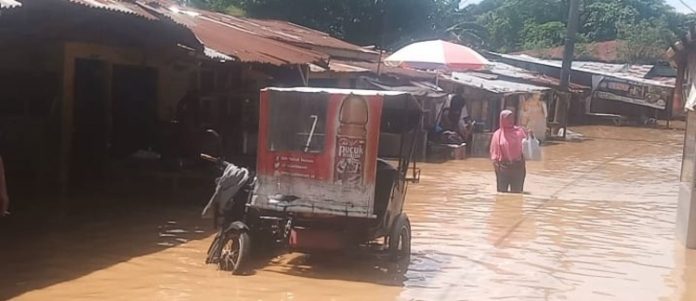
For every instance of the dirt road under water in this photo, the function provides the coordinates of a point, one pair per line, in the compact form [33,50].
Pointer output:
[597,224]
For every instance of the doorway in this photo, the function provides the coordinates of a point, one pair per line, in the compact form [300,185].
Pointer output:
[134,94]
[90,142]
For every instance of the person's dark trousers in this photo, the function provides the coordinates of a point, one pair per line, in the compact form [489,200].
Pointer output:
[510,176]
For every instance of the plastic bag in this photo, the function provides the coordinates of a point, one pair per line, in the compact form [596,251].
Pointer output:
[531,149]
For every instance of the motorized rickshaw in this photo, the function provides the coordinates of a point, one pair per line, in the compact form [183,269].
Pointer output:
[332,173]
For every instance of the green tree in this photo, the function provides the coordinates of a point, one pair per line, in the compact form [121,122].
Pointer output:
[470,34]
[499,25]
[547,35]
[503,30]
[389,23]
[645,42]
[600,19]
[522,24]
[225,6]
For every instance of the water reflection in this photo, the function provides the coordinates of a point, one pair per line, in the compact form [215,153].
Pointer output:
[508,218]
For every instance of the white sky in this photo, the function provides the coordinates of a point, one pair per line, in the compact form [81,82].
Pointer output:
[675,3]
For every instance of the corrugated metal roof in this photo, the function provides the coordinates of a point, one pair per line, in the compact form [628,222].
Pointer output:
[337,66]
[9,3]
[639,71]
[627,72]
[607,51]
[360,92]
[509,71]
[214,54]
[494,85]
[416,88]
[353,66]
[232,40]
[118,6]
[125,23]
[247,40]
[287,32]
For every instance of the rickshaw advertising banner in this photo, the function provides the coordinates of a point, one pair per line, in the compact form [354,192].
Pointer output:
[629,91]
[317,152]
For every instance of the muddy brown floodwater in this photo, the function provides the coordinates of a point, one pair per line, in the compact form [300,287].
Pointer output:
[597,224]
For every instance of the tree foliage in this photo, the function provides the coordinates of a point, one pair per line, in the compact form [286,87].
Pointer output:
[469,34]
[646,42]
[499,25]
[387,23]
[519,24]
[545,35]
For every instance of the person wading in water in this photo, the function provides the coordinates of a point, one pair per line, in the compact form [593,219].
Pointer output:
[506,153]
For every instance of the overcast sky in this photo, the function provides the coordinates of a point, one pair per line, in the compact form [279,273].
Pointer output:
[677,5]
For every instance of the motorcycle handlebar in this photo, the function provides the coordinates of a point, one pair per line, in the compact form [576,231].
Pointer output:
[209,158]
[218,161]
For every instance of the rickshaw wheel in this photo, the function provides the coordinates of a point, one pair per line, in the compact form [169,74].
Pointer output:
[400,239]
[214,250]
[235,252]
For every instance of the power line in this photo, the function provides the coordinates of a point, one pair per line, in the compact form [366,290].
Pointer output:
[687,6]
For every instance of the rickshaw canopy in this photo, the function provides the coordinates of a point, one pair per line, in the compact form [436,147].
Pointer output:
[392,99]
[318,147]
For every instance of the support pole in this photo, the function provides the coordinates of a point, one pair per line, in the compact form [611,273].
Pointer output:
[569,49]
[305,78]
[686,206]
[568,53]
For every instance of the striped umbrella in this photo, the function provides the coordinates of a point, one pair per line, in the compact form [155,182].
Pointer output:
[438,55]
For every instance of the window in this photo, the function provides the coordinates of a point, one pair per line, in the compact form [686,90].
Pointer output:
[297,122]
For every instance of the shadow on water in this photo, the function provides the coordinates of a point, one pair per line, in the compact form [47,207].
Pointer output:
[598,225]
[50,240]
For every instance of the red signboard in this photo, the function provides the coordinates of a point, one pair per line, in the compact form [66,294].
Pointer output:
[320,148]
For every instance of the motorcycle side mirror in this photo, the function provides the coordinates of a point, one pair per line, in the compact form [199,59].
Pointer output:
[218,141]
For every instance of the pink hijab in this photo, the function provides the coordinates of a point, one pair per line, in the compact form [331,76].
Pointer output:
[506,144]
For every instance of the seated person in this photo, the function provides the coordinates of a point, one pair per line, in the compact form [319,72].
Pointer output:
[465,129]
[446,132]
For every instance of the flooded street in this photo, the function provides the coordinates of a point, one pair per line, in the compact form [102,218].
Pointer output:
[597,223]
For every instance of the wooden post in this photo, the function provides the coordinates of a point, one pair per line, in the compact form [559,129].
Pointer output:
[569,98]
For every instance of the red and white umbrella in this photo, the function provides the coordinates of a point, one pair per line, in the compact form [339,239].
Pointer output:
[438,55]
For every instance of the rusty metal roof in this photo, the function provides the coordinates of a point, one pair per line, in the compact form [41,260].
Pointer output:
[244,39]
[287,32]
[126,23]
[216,32]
